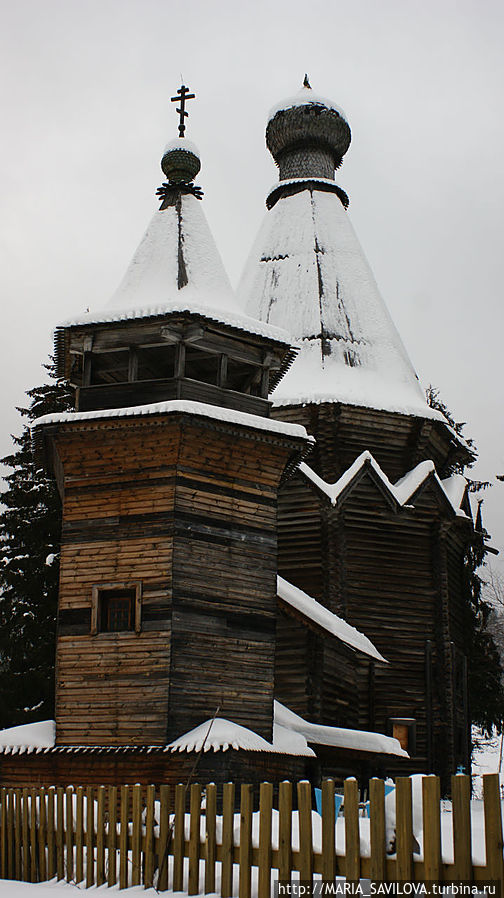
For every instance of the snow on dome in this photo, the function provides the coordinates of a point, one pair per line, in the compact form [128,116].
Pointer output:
[28,737]
[330,622]
[307,273]
[338,737]
[222,735]
[304,97]
[182,143]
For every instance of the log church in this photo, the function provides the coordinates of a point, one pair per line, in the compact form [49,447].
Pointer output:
[264,523]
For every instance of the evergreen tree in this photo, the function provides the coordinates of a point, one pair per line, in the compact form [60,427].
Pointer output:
[30,533]
[485,666]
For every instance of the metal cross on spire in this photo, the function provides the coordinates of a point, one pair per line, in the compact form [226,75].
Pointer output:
[182,95]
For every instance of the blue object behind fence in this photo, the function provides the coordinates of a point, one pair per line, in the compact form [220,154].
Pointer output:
[388,789]
[338,801]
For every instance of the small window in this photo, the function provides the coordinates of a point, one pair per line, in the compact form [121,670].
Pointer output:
[116,608]
[109,367]
[201,365]
[244,378]
[156,363]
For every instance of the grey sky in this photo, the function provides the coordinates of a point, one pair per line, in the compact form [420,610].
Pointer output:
[85,113]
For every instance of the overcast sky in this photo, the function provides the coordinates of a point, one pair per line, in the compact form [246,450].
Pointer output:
[85,114]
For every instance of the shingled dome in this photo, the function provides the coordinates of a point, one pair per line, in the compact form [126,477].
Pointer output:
[307,135]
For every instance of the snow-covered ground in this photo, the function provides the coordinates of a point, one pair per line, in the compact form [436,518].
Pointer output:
[11,889]
[487,758]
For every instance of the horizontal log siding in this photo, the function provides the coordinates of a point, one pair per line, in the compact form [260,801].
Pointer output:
[117,527]
[188,507]
[224,581]
[398,442]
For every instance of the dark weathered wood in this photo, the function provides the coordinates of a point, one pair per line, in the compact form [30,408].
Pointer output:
[431,828]
[493,827]
[461,802]
[305,833]
[123,838]
[149,837]
[69,838]
[178,838]
[112,836]
[165,834]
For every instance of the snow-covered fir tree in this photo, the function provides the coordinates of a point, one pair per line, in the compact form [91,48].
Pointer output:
[30,527]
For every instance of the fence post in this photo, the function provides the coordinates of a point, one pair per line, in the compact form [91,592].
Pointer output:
[461,802]
[328,832]
[493,827]
[265,810]
[33,836]
[136,835]
[228,795]
[305,832]
[89,836]
[123,838]
[245,841]
[164,835]
[79,834]
[352,834]
[194,839]
[3,833]
[404,829]
[100,836]
[178,838]
[431,828]
[112,836]
[17,834]
[42,835]
[211,837]
[284,831]
[149,837]
[26,837]
[69,833]
[377,829]
[50,833]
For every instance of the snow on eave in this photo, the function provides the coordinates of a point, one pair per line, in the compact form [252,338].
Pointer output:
[336,626]
[179,406]
[401,492]
[28,738]
[181,305]
[221,735]
[338,737]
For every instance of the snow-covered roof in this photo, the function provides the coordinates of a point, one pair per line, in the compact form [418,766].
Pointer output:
[310,608]
[305,97]
[221,735]
[337,737]
[187,301]
[28,738]
[179,406]
[452,488]
[307,273]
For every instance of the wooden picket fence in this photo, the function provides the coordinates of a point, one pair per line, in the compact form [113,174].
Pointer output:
[134,835]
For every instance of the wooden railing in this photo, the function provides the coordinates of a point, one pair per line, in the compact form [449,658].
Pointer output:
[134,835]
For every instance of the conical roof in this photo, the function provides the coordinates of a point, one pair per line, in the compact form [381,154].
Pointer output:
[177,256]
[307,273]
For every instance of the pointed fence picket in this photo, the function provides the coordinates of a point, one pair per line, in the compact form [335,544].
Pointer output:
[168,837]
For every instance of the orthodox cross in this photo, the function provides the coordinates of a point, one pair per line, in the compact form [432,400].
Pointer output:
[182,95]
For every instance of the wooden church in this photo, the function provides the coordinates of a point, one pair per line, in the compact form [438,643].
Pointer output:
[263,538]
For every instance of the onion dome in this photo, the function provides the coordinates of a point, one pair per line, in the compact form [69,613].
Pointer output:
[181,161]
[307,135]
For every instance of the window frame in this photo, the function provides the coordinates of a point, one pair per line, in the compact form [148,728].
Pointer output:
[98,589]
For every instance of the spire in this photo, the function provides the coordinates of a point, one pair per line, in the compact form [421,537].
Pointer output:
[177,251]
[308,274]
